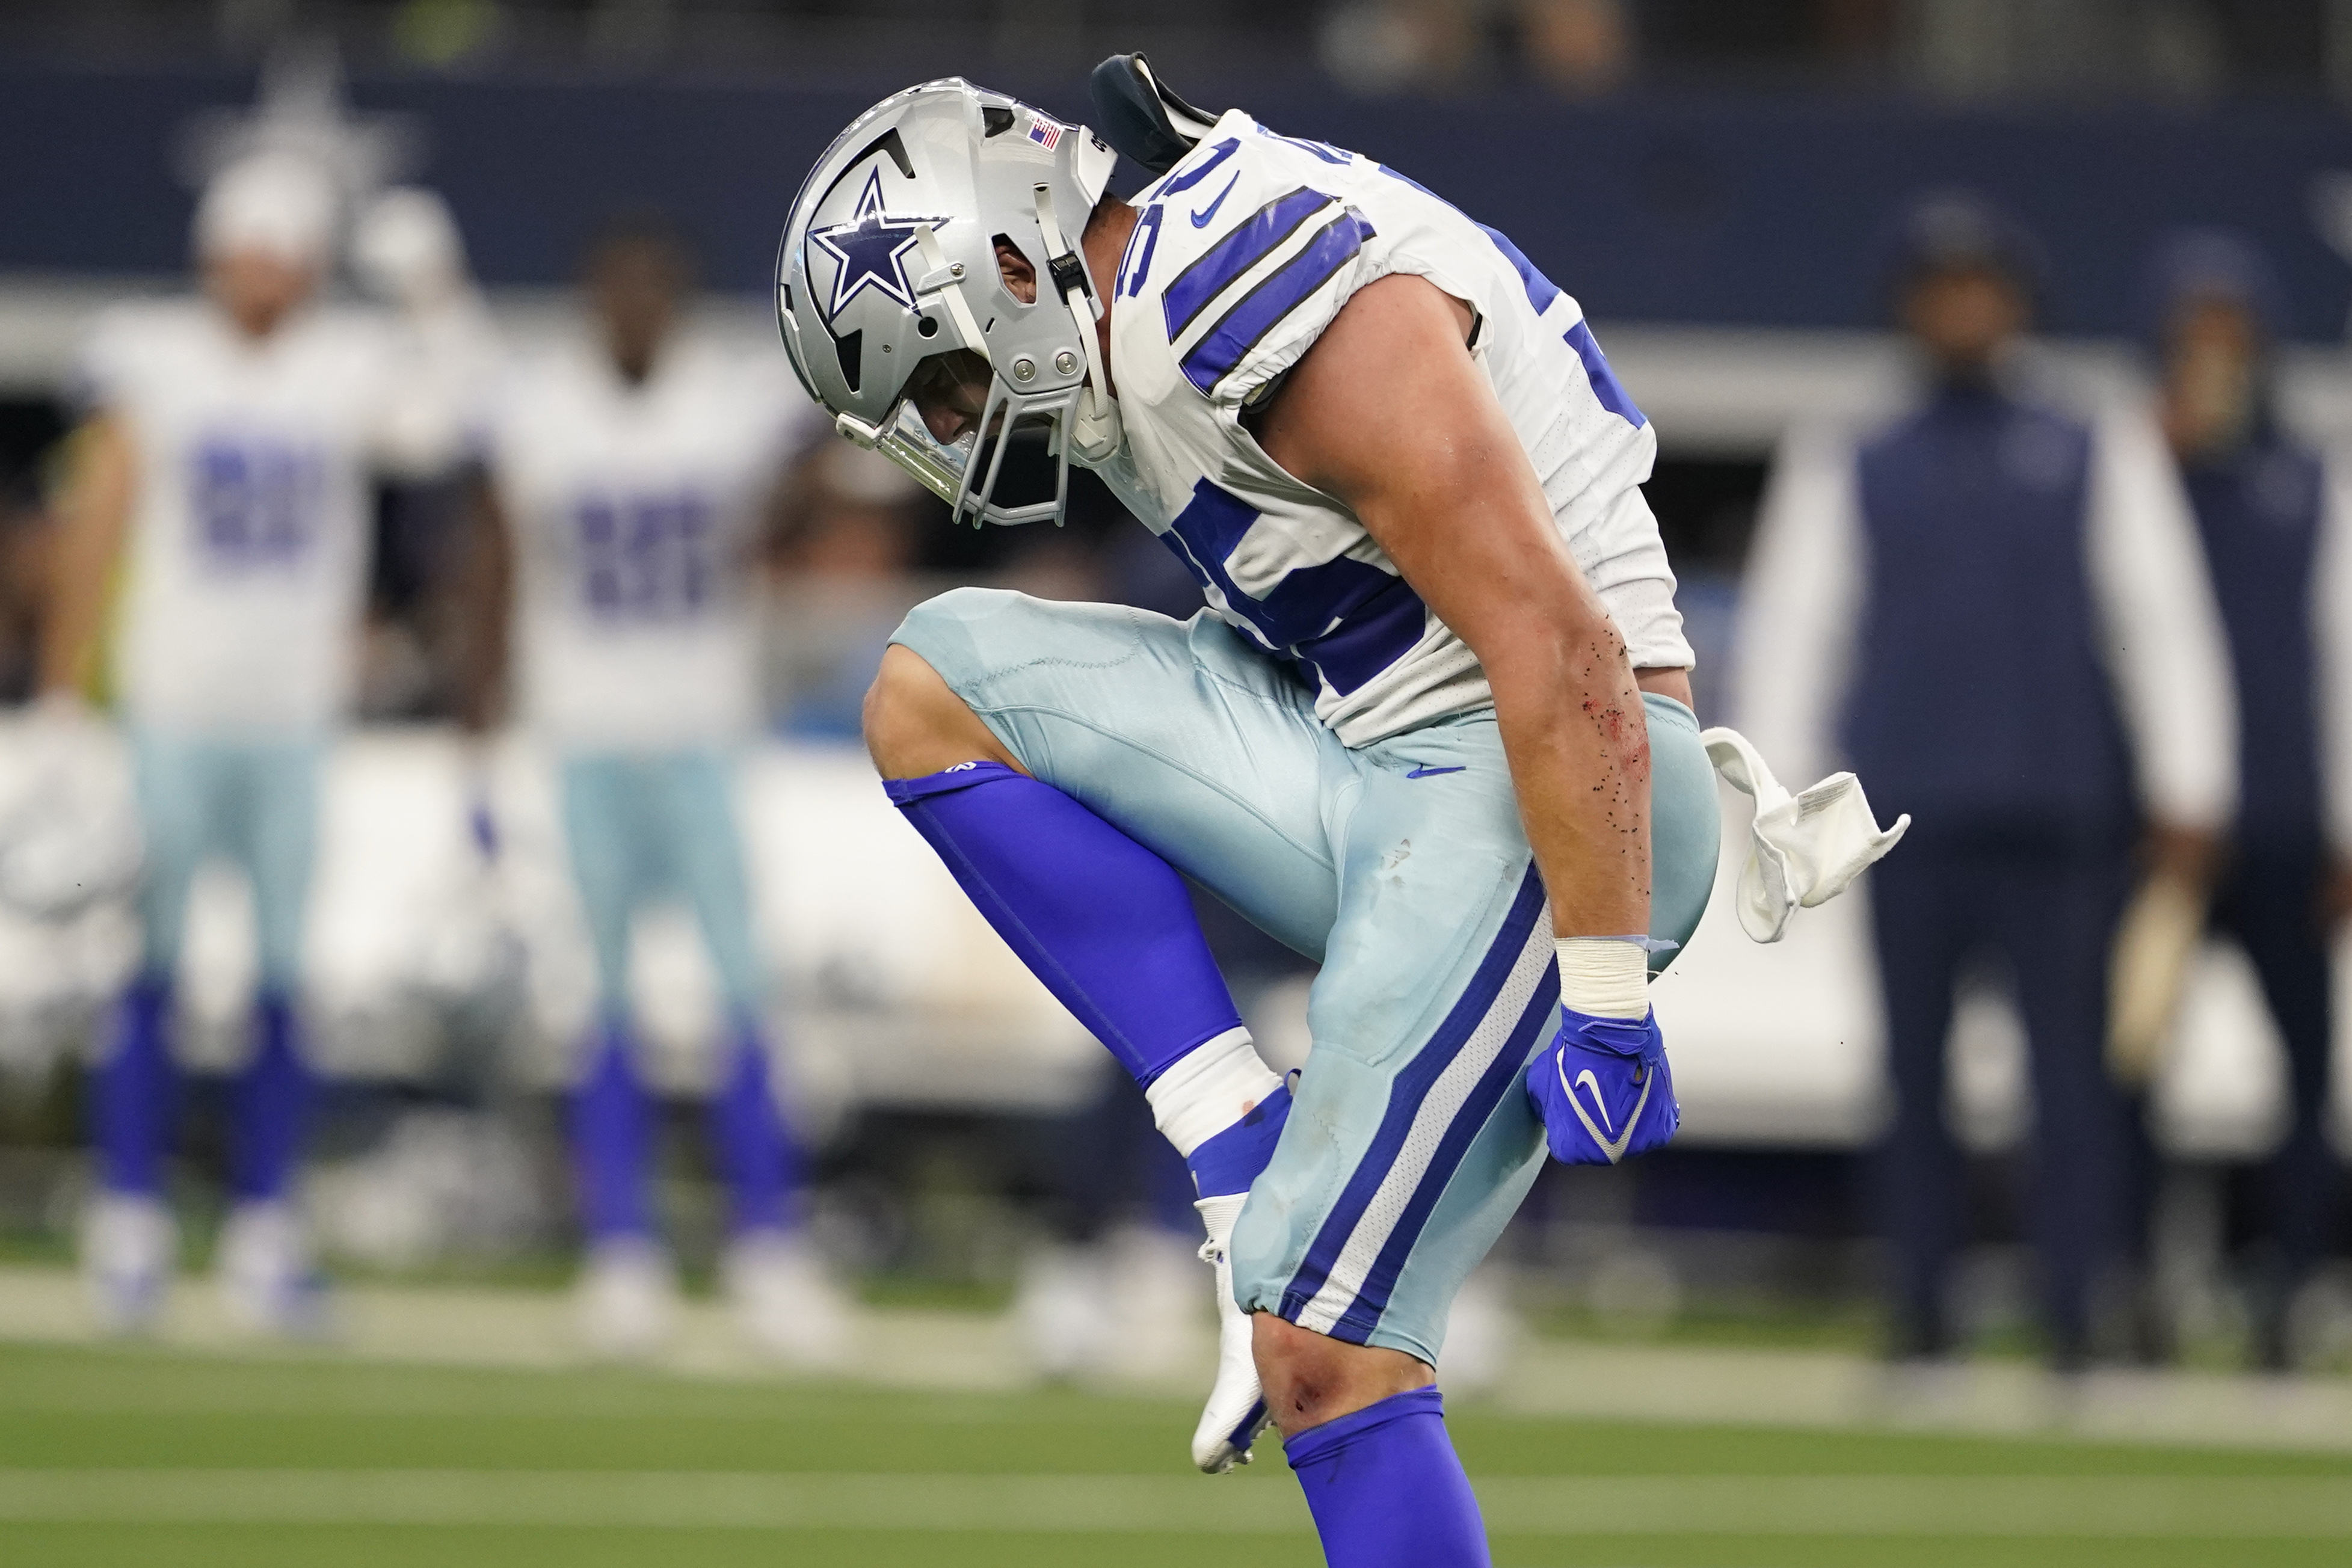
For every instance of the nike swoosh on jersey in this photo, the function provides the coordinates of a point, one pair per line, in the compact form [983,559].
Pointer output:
[1434,772]
[1251,241]
[1201,219]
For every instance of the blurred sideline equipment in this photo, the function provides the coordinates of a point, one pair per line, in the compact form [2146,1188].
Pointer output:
[1355,1211]
[631,479]
[1995,609]
[2156,941]
[232,441]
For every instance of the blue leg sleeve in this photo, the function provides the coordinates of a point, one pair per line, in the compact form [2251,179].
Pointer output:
[133,1090]
[1106,924]
[756,1153]
[1387,1489]
[268,1101]
[611,1137]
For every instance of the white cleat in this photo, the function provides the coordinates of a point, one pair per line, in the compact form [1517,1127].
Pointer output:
[128,1246]
[1236,1410]
[786,1302]
[269,1282]
[629,1296]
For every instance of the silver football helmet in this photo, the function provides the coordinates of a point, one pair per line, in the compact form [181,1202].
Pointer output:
[888,263]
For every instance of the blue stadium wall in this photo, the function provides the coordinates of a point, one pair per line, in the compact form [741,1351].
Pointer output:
[1713,210]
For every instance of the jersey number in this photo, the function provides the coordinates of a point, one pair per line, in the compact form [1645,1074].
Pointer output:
[255,503]
[645,557]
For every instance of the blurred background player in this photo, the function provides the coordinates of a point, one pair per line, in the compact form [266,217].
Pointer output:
[215,540]
[1996,613]
[2273,527]
[634,475]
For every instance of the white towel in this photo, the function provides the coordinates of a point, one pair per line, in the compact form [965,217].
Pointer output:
[1805,848]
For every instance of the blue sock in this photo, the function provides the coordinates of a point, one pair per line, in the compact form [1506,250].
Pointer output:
[268,1103]
[1109,927]
[1106,925]
[609,1135]
[1387,1489]
[133,1090]
[756,1153]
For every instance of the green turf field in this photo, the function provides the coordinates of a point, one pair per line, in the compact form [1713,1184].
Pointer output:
[165,1459]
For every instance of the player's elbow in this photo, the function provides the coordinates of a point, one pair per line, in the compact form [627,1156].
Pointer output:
[1546,639]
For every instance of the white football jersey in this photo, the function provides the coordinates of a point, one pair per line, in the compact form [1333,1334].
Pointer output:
[635,511]
[248,546]
[1243,253]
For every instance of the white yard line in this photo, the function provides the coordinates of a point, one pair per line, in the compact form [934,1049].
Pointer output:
[963,1351]
[2212,1507]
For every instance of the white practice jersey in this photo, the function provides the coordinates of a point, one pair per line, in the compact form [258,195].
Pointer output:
[635,511]
[1243,253]
[249,540]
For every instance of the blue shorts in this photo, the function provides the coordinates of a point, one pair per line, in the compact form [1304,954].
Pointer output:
[641,826]
[1400,866]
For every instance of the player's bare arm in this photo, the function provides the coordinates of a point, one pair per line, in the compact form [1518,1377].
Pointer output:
[93,518]
[1389,413]
[485,596]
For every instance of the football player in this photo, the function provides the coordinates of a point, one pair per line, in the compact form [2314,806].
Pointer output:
[631,476]
[1433,730]
[224,472]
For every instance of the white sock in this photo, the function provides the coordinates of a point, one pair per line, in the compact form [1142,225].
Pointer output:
[1207,1089]
[1605,977]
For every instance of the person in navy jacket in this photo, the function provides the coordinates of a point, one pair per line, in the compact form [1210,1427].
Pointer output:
[2270,513]
[1993,609]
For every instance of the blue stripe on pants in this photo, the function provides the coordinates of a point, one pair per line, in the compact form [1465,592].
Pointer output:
[1412,1087]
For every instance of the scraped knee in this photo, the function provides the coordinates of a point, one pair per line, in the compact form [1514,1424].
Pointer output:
[1311,1378]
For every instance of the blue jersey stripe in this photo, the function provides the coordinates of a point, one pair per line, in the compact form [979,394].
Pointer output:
[1605,385]
[1410,1088]
[1254,239]
[1276,295]
[1378,628]
[1345,619]
[1541,290]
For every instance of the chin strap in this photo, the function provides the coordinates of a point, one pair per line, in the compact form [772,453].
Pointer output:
[1094,428]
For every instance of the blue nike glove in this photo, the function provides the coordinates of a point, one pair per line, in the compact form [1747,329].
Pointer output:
[1603,1089]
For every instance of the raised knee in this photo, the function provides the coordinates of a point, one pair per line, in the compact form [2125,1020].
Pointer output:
[915,724]
[894,718]
[1310,1378]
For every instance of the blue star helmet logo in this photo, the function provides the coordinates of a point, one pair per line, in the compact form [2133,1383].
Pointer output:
[872,248]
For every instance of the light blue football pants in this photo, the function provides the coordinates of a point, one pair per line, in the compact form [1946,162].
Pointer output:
[1400,866]
[254,803]
[641,825]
